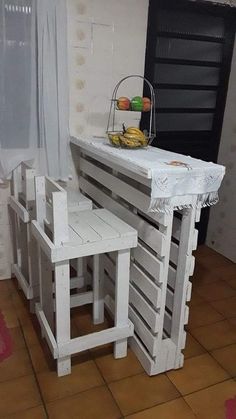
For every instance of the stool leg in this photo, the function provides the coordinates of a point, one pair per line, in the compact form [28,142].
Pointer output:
[122,299]
[98,289]
[62,303]
[80,272]
[46,289]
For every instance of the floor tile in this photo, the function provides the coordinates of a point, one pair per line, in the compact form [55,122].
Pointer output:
[41,358]
[93,404]
[203,251]
[204,275]
[203,314]
[83,377]
[199,372]
[216,291]
[210,403]
[192,348]
[114,369]
[17,337]
[84,324]
[142,392]
[196,300]
[228,274]
[226,307]
[17,365]
[226,357]
[30,335]
[10,317]
[176,409]
[34,413]
[102,350]
[212,260]
[19,394]
[215,335]
[6,302]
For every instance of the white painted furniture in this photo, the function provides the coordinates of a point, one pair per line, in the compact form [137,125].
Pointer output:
[86,233]
[162,263]
[5,233]
[22,202]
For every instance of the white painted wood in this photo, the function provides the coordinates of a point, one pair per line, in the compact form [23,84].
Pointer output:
[78,300]
[60,218]
[146,285]
[149,262]
[109,198]
[62,315]
[22,282]
[98,290]
[145,309]
[43,240]
[122,189]
[73,250]
[117,167]
[142,354]
[149,234]
[46,330]
[77,201]
[89,233]
[143,332]
[93,340]
[40,192]
[46,288]
[180,310]
[174,253]
[171,277]
[122,299]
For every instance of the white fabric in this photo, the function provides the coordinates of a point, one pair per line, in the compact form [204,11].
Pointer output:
[33,86]
[16,40]
[53,87]
[198,177]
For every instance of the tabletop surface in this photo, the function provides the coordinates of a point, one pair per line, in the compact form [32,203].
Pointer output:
[170,174]
[146,162]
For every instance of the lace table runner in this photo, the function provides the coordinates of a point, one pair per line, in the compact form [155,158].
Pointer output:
[171,174]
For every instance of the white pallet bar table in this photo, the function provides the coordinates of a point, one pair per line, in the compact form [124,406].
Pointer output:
[163,202]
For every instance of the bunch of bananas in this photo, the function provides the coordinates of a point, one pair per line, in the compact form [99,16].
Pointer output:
[131,137]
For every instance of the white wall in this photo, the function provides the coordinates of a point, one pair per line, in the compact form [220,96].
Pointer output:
[222,226]
[107,41]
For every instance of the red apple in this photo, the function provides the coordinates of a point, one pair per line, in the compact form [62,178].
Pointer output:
[146,104]
[123,103]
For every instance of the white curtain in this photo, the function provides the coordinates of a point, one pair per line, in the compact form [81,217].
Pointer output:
[34,86]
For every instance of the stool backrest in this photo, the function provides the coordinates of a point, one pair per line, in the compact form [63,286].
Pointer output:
[51,209]
[23,185]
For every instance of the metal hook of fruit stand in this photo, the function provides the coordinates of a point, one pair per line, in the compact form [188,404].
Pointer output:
[152,120]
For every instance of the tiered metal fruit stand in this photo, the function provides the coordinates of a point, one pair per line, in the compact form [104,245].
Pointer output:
[150,132]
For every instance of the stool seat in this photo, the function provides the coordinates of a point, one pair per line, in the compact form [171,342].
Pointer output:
[96,226]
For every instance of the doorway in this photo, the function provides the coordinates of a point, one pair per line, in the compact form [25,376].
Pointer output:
[188,60]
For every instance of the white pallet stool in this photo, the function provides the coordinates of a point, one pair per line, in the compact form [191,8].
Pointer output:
[23,205]
[86,233]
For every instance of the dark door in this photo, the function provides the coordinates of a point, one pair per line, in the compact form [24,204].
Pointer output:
[188,60]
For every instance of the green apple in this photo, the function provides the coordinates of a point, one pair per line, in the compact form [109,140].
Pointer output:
[137,103]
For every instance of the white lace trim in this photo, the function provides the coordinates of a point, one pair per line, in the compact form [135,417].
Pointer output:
[165,205]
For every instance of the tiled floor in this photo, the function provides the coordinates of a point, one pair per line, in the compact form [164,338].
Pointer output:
[102,388]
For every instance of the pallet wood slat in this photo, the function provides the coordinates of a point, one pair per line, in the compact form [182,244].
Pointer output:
[149,234]
[146,311]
